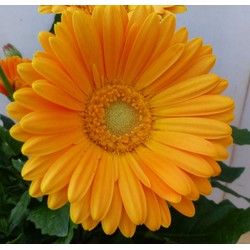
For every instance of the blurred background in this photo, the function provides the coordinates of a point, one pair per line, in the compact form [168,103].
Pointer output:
[226,28]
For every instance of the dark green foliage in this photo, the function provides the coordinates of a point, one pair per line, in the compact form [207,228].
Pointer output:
[241,136]
[54,223]
[229,174]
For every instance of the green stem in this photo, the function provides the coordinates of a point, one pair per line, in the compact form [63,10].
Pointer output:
[6,84]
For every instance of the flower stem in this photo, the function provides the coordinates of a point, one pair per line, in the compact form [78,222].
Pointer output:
[6,84]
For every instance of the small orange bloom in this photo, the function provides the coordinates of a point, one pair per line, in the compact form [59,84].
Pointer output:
[9,66]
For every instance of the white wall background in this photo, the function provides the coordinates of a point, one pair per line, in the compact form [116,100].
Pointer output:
[226,28]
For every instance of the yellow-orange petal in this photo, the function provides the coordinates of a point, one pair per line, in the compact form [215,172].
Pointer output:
[36,167]
[216,167]
[167,27]
[190,51]
[84,174]
[226,116]
[180,36]
[175,8]
[56,95]
[222,153]
[61,170]
[29,99]
[190,143]
[51,122]
[80,210]
[112,219]
[113,36]
[165,213]
[128,43]
[185,90]
[194,195]
[58,199]
[126,226]
[153,219]
[189,162]
[159,66]
[142,48]
[35,188]
[199,106]
[19,134]
[65,32]
[158,185]
[28,73]
[89,224]
[205,50]
[43,37]
[203,127]
[115,159]
[165,170]
[140,14]
[97,15]
[88,41]
[39,145]
[51,71]
[16,111]
[200,66]
[222,85]
[132,194]
[103,188]
[203,185]
[185,206]
[136,168]
[74,67]
[47,9]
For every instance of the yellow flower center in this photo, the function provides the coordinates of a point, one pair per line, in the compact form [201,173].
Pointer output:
[117,118]
[121,118]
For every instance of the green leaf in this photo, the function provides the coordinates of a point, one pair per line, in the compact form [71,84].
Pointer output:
[228,174]
[17,164]
[3,226]
[213,223]
[51,222]
[68,238]
[11,147]
[7,122]
[57,18]
[241,136]
[16,240]
[228,190]
[19,211]
[2,198]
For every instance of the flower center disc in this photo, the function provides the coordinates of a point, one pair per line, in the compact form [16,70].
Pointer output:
[117,118]
[121,118]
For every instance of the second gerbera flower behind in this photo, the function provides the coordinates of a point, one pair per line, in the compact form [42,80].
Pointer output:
[122,116]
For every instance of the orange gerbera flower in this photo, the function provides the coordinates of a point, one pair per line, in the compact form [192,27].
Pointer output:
[9,66]
[163,10]
[119,123]
[57,9]
[88,9]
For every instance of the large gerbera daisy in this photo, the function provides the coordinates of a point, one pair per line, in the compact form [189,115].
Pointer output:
[9,66]
[122,119]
